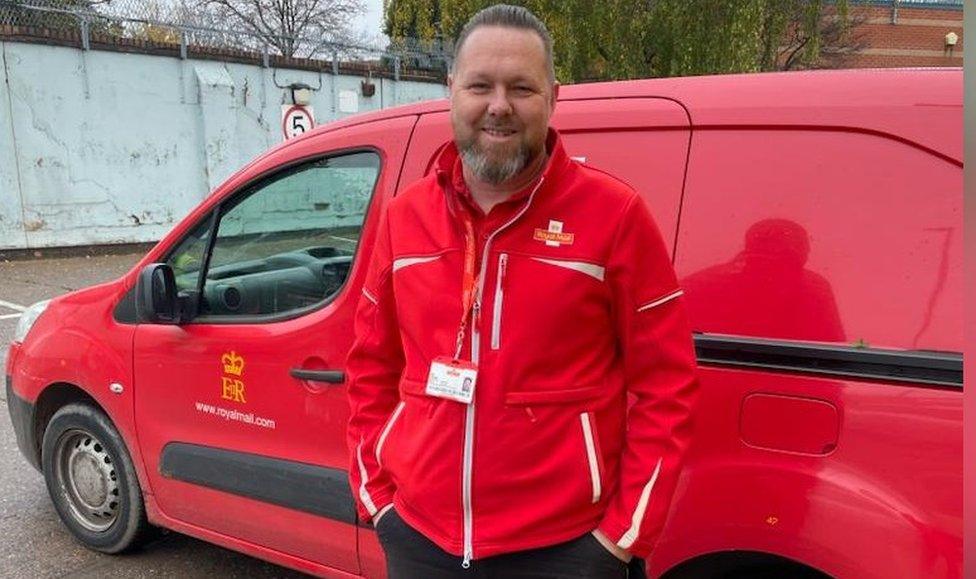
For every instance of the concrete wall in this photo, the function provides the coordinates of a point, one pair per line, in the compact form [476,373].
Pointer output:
[102,147]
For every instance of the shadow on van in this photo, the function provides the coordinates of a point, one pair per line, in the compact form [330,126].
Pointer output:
[765,290]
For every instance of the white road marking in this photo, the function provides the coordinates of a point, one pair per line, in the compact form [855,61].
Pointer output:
[13,306]
[9,316]
[343,238]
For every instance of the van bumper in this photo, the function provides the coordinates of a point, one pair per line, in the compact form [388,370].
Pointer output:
[22,417]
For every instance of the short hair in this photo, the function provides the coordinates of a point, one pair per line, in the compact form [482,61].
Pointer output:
[508,16]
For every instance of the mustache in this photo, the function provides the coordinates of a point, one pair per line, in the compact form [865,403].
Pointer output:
[499,126]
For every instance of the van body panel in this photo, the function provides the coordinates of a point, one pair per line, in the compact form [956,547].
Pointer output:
[921,107]
[252,549]
[77,342]
[891,490]
[801,222]
[849,235]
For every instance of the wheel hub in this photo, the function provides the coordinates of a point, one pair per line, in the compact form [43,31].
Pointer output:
[88,480]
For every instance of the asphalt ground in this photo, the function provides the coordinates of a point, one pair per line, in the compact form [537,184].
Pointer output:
[33,541]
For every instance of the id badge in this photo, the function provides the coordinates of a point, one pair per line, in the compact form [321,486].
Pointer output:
[452,379]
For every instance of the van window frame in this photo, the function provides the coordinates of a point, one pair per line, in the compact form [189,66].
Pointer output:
[244,191]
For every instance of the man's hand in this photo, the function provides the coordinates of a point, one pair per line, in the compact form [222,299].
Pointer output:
[609,545]
[379,514]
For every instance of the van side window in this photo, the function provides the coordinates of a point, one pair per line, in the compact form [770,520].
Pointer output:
[187,258]
[288,243]
[822,236]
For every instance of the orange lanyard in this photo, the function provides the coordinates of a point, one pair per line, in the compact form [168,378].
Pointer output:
[470,280]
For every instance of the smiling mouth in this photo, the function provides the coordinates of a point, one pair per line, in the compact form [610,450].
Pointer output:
[498,132]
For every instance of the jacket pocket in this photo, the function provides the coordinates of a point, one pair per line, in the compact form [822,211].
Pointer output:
[413,387]
[594,458]
[381,441]
[593,270]
[561,396]
[496,310]
[416,392]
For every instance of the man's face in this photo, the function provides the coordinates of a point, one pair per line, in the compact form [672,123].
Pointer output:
[501,101]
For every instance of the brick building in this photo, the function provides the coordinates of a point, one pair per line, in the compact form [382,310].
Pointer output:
[900,33]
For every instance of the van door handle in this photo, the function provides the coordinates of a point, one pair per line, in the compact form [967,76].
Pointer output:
[329,376]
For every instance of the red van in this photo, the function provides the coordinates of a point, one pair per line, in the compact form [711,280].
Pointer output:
[815,222]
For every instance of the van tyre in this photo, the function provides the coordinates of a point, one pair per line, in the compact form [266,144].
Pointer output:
[92,481]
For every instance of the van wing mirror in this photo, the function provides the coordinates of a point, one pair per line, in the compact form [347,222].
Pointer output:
[157,301]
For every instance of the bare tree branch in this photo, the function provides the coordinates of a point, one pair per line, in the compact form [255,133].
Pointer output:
[293,27]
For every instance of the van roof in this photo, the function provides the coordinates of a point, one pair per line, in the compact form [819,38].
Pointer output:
[863,98]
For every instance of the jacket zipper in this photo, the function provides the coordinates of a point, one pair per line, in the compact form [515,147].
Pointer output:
[496,313]
[469,447]
[468,457]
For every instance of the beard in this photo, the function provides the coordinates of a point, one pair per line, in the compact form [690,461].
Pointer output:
[493,167]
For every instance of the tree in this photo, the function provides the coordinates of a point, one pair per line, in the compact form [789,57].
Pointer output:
[429,19]
[161,23]
[618,39]
[412,19]
[174,21]
[805,46]
[293,27]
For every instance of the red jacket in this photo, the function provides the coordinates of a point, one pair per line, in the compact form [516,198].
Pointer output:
[578,307]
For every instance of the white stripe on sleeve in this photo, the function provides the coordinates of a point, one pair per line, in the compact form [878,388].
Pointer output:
[660,301]
[370,297]
[386,431]
[363,493]
[630,536]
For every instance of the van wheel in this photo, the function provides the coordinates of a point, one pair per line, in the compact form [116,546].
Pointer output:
[91,480]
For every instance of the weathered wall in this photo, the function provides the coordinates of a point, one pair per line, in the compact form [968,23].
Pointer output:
[104,147]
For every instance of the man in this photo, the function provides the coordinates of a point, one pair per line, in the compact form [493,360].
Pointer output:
[547,285]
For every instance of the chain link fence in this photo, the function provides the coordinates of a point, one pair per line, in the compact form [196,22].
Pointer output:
[199,28]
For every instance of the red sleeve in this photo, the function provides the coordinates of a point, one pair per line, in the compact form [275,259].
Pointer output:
[374,366]
[659,363]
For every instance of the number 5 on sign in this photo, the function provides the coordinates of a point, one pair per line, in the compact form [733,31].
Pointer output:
[296,120]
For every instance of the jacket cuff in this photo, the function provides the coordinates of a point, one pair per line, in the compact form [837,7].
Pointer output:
[381,498]
[615,532]
[380,512]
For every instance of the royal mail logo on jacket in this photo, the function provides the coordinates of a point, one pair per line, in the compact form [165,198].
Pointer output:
[560,332]
[554,236]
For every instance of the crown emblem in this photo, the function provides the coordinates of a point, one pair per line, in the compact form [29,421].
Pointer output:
[233,364]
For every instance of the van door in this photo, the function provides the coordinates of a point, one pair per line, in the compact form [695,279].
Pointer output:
[642,141]
[822,270]
[242,412]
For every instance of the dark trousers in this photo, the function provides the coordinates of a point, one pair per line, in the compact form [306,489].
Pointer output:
[410,555]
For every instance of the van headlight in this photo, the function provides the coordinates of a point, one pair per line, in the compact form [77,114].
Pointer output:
[28,318]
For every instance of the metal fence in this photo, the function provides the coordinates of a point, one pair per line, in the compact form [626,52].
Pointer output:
[195,26]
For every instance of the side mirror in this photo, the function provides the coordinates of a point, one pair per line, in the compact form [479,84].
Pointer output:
[156,299]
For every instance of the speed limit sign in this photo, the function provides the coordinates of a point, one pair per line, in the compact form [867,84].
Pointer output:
[296,120]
